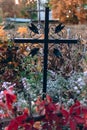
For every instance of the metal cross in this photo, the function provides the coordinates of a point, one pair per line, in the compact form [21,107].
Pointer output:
[46,41]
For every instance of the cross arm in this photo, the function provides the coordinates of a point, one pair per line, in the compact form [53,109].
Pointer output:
[55,41]
[27,40]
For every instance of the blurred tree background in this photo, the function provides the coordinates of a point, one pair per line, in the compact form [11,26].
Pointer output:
[11,9]
[71,11]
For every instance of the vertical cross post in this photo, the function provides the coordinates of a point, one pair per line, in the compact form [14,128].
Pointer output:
[45,50]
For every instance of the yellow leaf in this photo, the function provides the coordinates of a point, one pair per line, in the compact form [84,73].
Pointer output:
[37,125]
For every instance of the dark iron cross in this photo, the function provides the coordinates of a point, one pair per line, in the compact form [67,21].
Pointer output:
[46,41]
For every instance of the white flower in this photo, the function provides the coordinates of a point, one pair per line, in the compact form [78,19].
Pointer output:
[78,91]
[79,80]
[85,73]
[1,95]
[70,102]
[76,88]
[81,87]
[28,48]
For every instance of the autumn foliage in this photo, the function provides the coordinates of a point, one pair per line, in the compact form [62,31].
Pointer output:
[69,10]
[18,10]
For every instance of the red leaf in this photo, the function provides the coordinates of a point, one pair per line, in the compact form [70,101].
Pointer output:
[13,125]
[79,119]
[10,98]
[48,98]
[38,101]
[65,116]
[75,109]
[6,128]
[85,120]
[27,126]
[50,108]
[72,124]
[17,122]
[84,109]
